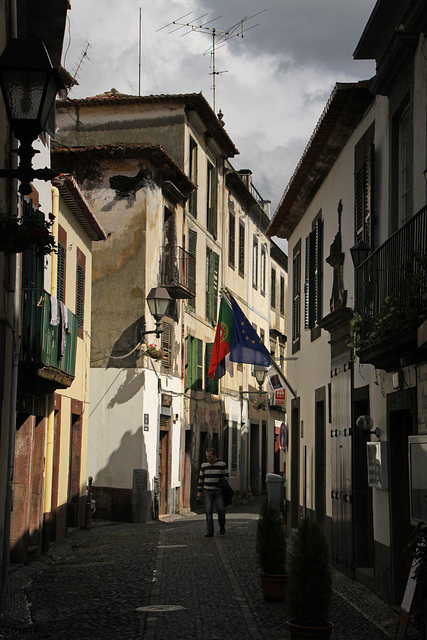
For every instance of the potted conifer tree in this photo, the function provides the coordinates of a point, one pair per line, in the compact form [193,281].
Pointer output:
[271,552]
[309,583]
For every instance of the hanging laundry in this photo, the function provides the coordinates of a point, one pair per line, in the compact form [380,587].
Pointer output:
[54,315]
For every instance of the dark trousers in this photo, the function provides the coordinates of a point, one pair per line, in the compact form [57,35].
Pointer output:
[214,496]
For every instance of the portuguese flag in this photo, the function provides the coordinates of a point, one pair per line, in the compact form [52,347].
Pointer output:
[222,342]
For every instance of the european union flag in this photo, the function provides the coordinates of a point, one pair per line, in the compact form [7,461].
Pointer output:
[246,346]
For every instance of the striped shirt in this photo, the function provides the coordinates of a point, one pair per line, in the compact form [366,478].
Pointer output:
[211,474]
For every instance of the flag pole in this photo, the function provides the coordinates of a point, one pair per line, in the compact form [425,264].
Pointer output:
[226,293]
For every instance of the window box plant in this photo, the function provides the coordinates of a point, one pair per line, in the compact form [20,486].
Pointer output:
[309,583]
[271,552]
[19,234]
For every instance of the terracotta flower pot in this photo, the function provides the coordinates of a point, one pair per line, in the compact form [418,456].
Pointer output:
[155,354]
[301,632]
[273,586]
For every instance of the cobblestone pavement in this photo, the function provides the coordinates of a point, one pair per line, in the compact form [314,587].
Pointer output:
[94,584]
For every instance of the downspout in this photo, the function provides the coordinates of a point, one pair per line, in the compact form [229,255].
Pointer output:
[50,400]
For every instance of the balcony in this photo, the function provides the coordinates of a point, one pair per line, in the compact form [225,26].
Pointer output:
[391,297]
[48,352]
[178,273]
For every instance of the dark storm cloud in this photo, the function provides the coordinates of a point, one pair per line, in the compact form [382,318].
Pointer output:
[316,33]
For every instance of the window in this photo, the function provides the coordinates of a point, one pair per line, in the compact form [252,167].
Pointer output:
[313,275]
[282,357]
[212,184]
[282,295]
[211,386]
[262,335]
[32,264]
[296,297]
[255,263]
[273,288]
[263,267]
[364,187]
[80,291]
[234,445]
[404,177]
[231,237]
[193,375]
[167,344]
[212,273]
[61,264]
[192,245]
[192,172]
[241,249]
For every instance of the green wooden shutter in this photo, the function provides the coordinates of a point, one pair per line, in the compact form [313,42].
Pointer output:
[80,292]
[215,279]
[307,284]
[211,386]
[61,273]
[186,368]
[241,249]
[208,290]
[296,284]
[192,245]
[199,364]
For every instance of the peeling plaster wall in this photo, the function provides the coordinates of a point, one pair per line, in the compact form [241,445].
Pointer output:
[123,123]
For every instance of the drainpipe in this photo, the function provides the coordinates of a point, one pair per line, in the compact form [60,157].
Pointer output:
[50,400]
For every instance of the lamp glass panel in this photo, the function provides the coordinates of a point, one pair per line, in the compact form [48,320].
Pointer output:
[24,92]
[51,89]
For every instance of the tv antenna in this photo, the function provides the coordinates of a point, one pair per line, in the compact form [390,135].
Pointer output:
[219,37]
[83,57]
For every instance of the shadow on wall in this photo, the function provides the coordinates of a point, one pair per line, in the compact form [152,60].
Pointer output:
[113,502]
[124,344]
[132,384]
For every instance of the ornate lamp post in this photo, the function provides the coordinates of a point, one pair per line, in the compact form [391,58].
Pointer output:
[29,84]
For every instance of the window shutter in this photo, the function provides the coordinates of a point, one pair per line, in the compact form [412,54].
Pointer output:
[282,295]
[319,270]
[296,284]
[273,288]
[211,386]
[192,202]
[215,287]
[80,291]
[186,376]
[231,239]
[212,184]
[60,288]
[241,249]
[208,291]
[167,345]
[307,284]
[199,364]
[364,197]
[192,244]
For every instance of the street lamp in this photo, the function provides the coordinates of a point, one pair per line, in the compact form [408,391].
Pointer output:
[158,301]
[359,253]
[260,374]
[29,84]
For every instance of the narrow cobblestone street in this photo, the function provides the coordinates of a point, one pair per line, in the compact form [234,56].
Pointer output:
[94,584]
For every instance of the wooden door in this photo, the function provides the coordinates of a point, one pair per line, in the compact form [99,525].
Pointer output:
[74,471]
[254,469]
[164,464]
[341,448]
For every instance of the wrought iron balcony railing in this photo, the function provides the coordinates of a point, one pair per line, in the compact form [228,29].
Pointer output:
[178,272]
[48,349]
[391,285]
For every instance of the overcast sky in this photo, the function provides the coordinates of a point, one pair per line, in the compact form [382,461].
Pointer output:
[278,77]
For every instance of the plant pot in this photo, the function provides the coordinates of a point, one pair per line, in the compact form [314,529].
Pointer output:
[155,354]
[273,586]
[300,631]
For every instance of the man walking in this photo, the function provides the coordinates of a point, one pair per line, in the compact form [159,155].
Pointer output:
[212,473]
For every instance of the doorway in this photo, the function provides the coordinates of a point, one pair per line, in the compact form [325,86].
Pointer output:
[401,418]
[320,455]
[295,464]
[164,447]
[254,460]
[364,556]
[74,471]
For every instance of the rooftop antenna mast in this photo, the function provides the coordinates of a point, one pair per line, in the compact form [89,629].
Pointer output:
[83,57]
[219,37]
[139,50]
